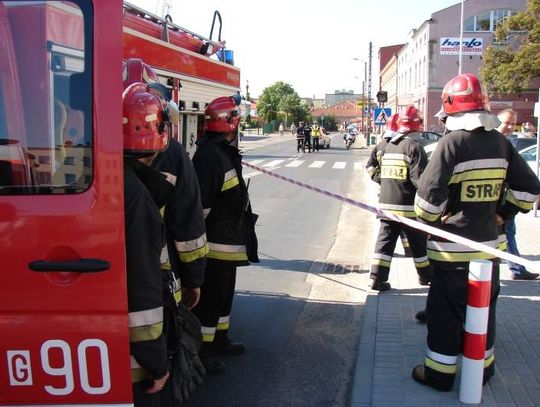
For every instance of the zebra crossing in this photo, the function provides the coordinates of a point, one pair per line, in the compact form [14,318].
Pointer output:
[313,164]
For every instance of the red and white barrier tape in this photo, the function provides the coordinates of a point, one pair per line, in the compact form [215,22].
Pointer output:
[410,222]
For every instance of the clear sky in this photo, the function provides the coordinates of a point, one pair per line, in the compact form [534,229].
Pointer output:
[309,44]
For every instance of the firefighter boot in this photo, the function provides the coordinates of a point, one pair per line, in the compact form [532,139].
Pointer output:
[421,316]
[380,285]
[211,365]
[223,345]
[419,375]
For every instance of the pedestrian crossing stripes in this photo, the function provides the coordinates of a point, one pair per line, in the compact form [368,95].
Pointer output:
[316,164]
[273,163]
[295,164]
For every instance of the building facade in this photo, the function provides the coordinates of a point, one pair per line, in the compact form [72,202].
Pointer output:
[430,58]
[388,77]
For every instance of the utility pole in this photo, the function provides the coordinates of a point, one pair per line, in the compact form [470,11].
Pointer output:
[369,97]
[363,105]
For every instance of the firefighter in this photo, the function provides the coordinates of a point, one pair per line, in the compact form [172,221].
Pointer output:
[460,192]
[183,215]
[373,167]
[403,161]
[143,139]
[229,227]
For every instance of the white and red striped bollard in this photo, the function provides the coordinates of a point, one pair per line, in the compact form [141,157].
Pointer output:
[476,322]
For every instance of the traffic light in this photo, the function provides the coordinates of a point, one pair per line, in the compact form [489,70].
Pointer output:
[382,96]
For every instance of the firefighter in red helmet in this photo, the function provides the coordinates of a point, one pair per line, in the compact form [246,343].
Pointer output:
[183,261]
[184,221]
[401,164]
[144,136]
[229,226]
[373,167]
[462,191]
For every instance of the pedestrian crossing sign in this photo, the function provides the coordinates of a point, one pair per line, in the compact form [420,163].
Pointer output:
[381,115]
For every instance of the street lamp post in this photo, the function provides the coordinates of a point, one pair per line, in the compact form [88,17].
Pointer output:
[364,83]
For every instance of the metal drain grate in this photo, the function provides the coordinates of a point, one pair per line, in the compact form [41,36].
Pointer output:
[339,268]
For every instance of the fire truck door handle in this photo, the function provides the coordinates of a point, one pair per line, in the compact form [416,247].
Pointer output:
[79,266]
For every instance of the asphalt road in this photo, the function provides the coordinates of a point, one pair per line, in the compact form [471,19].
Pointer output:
[299,310]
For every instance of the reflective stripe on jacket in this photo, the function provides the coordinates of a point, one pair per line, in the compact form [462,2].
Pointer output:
[400,167]
[471,177]
[144,241]
[183,215]
[224,198]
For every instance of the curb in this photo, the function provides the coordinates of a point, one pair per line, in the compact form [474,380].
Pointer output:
[363,372]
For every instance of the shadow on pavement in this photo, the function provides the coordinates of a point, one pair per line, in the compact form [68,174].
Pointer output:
[298,353]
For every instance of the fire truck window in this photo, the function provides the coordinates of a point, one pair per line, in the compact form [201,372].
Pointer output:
[46,144]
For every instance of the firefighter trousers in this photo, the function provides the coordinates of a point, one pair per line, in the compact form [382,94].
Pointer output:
[217,293]
[389,231]
[446,306]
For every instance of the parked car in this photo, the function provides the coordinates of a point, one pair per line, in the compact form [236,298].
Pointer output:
[425,138]
[430,148]
[521,143]
[324,139]
[529,155]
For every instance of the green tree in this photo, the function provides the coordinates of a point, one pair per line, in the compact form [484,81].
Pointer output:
[510,67]
[280,101]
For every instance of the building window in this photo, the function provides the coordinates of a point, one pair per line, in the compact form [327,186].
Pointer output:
[487,21]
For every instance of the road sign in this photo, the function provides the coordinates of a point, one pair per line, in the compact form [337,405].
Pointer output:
[381,115]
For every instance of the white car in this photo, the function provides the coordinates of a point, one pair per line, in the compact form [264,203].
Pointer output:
[529,155]
[430,148]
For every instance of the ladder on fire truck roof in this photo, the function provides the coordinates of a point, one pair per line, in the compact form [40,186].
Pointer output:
[168,24]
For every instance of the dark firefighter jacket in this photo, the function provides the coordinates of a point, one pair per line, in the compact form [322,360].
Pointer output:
[183,215]
[144,241]
[226,206]
[401,165]
[472,176]
[373,165]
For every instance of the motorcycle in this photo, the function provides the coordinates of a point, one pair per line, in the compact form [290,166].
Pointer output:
[349,138]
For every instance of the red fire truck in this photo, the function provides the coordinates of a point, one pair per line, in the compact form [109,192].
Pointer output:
[63,307]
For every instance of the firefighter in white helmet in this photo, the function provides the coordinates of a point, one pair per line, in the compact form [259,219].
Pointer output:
[461,191]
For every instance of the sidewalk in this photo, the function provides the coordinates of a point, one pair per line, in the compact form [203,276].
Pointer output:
[392,342]
[254,141]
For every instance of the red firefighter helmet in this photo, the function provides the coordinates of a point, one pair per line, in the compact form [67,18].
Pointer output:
[464,93]
[392,124]
[410,119]
[222,115]
[135,70]
[143,121]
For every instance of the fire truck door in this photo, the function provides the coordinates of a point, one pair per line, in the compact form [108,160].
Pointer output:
[63,307]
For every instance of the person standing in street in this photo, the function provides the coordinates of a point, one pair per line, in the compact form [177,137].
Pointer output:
[315,134]
[373,167]
[300,137]
[307,137]
[460,192]
[508,118]
[230,227]
[144,233]
[403,161]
